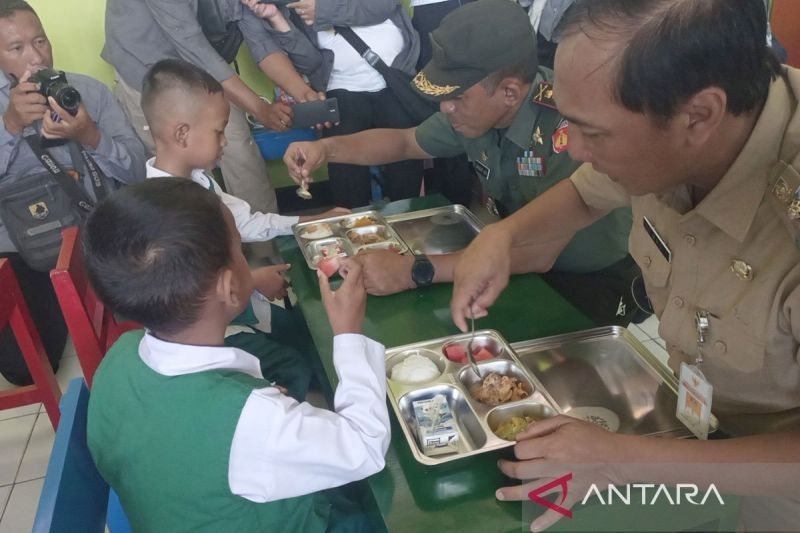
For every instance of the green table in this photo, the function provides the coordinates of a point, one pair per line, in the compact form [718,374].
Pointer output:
[459,496]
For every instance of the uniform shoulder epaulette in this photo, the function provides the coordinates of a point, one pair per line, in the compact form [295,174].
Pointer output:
[543,95]
[784,197]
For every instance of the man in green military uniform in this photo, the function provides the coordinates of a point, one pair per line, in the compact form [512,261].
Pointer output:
[496,106]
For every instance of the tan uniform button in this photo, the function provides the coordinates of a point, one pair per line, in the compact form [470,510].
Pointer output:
[720,347]
[677,302]
[689,239]
[647,261]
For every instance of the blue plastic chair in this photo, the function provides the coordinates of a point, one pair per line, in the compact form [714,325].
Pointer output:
[75,497]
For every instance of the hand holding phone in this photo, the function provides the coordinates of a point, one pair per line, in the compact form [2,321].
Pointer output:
[309,114]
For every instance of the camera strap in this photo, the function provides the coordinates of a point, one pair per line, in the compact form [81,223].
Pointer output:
[76,194]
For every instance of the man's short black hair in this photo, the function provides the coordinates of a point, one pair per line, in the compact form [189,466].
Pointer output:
[172,74]
[9,7]
[676,48]
[524,72]
[154,250]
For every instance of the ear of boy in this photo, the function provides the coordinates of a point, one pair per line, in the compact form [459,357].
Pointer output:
[181,134]
[228,295]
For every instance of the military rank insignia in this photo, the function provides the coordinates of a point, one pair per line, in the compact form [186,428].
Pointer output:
[530,165]
[561,136]
[543,95]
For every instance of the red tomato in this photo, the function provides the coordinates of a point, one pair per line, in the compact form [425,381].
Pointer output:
[483,354]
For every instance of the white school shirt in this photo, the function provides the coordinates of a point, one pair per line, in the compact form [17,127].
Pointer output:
[281,448]
[253,227]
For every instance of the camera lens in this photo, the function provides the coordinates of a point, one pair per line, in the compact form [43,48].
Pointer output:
[69,98]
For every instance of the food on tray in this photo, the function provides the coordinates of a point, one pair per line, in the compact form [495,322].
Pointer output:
[329,251]
[415,369]
[360,222]
[436,428]
[497,389]
[361,239]
[329,265]
[316,231]
[458,353]
[516,424]
[390,246]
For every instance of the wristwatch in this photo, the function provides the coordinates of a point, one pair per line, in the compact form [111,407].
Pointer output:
[422,271]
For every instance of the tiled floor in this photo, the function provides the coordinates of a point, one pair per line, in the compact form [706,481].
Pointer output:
[26,438]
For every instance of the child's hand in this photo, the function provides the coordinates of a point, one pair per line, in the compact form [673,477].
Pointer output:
[263,11]
[335,212]
[345,306]
[270,282]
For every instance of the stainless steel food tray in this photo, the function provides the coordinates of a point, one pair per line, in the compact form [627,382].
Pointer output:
[604,375]
[606,369]
[340,231]
[473,419]
[440,230]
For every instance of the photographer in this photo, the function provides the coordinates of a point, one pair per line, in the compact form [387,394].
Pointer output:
[98,125]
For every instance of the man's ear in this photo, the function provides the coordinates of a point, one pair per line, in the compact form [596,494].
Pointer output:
[702,115]
[227,289]
[181,134]
[513,91]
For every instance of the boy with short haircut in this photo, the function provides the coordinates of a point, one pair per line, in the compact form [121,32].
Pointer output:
[186,430]
[187,112]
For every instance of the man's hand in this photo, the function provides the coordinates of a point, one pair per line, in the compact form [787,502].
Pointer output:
[481,275]
[270,282]
[301,158]
[277,116]
[335,212]
[551,448]
[347,305]
[25,106]
[386,272]
[80,128]
[310,95]
[306,9]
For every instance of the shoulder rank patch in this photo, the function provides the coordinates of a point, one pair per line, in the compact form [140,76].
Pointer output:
[784,198]
[561,137]
[543,95]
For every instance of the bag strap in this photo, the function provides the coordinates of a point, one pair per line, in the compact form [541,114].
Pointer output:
[98,178]
[75,193]
[362,48]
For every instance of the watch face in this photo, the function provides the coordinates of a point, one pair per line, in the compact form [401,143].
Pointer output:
[422,271]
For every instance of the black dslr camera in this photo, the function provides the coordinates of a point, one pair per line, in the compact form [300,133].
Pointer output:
[54,83]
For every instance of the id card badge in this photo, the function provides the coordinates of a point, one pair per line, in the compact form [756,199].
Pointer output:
[694,400]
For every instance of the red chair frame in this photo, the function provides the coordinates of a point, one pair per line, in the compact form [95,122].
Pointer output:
[14,312]
[92,326]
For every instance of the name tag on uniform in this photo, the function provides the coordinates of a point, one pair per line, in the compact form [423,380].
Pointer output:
[530,165]
[481,169]
[657,240]
[694,401]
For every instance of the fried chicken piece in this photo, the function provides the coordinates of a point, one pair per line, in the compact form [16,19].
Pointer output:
[496,389]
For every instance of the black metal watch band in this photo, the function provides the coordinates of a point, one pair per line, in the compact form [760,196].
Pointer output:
[422,271]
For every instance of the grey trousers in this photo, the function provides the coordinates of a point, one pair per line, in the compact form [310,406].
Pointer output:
[243,169]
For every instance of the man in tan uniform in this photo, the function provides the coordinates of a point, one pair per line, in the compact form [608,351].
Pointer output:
[699,132]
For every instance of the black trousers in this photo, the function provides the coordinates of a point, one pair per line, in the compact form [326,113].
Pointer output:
[359,111]
[450,176]
[46,314]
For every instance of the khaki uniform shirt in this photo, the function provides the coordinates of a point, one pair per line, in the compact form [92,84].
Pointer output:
[751,348]
[542,132]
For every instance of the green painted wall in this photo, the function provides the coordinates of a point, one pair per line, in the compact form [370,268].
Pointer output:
[76,28]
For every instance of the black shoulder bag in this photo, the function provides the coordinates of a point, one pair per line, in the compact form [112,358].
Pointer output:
[417,107]
[36,208]
[226,38]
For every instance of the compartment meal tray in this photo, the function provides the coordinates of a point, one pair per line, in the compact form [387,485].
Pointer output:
[440,230]
[603,375]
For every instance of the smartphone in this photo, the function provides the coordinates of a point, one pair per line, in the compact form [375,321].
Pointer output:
[309,114]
